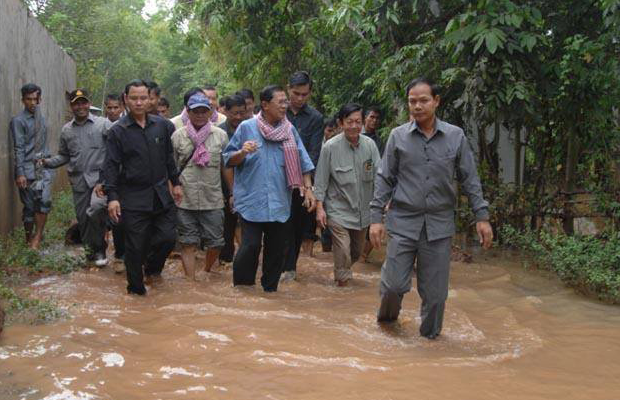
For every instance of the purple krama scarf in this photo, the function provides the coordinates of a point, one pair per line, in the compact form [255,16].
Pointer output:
[201,155]
[283,132]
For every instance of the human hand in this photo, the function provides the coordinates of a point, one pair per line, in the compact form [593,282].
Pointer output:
[321,217]
[485,234]
[177,193]
[249,147]
[309,199]
[231,203]
[114,211]
[377,234]
[99,190]
[21,182]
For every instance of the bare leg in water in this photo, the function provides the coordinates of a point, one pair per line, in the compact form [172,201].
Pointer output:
[213,253]
[39,219]
[188,257]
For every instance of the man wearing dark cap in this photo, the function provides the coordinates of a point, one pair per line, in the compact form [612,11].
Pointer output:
[309,123]
[139,164]
[198,151]
[82,146]
[29,134]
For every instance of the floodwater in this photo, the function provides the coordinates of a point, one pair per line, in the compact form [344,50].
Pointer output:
[508,334]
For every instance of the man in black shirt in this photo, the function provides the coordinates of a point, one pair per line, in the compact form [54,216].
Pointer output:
[236,112]
[309,123]
[138,166]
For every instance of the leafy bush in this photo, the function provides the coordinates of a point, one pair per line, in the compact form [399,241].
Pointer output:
[591,264]
[18,262]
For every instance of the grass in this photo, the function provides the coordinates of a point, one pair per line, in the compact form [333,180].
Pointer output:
[590,264]
[19,265]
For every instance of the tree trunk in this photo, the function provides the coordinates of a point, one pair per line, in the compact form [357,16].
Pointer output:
[572,156]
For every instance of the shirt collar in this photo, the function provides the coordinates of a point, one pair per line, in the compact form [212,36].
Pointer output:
[303,110]
[440,127]
[27,113]
[128,120]
[90,118]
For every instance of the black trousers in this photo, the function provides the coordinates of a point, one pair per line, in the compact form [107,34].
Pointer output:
[118,235]
[147,233]
[273,237]
[304,227]
[230,224]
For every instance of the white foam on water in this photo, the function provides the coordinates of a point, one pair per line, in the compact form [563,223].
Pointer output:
[89,367]
[534,299]
[168,371]
[222,388]
[45,281]
[67,394]
[113,359]
[75,355]
[87,331]
[299,360]
[252,336]
[196,389]
[215,336]
[105,321]
[4,354]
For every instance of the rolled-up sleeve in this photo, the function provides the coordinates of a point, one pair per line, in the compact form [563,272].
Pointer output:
[63,154]
[385,182]
[18,135]
[234,145]
[321,176]
[467,176]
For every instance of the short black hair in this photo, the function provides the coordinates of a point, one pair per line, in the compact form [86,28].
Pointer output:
[210,87]
[135,83]
[246,94]
[424,81]
[234,101]
[111,97]
[300,78]
[190,93]
[163,102]
[267,93]
[348,109]
[29,88]
[222,101]
[153,88]
[375,109]
[331,122]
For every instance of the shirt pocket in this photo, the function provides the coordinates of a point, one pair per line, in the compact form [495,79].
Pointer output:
[344,175]
[368,170]
[214,159]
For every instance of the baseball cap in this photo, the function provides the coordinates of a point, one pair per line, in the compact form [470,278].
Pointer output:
[198,100]
[78,94]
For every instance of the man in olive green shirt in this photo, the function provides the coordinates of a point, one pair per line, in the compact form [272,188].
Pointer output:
[197,150]
[344,181]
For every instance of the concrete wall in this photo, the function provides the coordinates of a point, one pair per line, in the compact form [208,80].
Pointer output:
[28,54]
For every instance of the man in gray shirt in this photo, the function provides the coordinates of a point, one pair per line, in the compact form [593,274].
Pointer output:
[29,134]
[416,176]
[82,146]
[344,186]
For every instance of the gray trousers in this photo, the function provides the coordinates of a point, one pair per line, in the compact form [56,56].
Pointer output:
[432,272]
[92,227]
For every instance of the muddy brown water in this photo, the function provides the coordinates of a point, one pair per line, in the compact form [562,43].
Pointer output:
[508,334]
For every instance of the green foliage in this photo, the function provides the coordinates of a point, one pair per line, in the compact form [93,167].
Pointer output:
[588,263]
[18,262]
